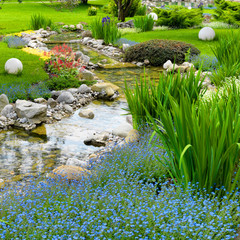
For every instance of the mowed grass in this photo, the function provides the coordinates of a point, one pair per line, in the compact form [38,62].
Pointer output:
[15,17]
[184,35]
[33,71]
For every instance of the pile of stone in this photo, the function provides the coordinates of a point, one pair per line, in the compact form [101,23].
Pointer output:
[128,24]
[28,115]
[72,27]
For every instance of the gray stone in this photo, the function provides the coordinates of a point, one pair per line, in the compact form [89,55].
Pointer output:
[68,108]
[55,94]
[97,139]
[87,75]
[40,100]
[3,101]
[77,162]
[140,64]
[167,64]
[87,33]
[66,97]
[125,47]
[86,113]
[34,112]
[79,26]
[72,90]
[52,103]
[122,130]
[83,58]
[84,89]
[7,110]
[86,40]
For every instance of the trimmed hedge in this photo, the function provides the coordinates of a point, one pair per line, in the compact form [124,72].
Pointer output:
[159,51]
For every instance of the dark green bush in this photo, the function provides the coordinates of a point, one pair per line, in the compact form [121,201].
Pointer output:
[92,11]
[142,10]
[228,12]
[159,51]
[178,17]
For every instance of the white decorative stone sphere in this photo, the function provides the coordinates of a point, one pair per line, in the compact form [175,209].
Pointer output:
[206,33]
[13,66]
[153,15]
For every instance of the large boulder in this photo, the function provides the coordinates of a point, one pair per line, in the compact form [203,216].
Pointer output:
[13,66]
[70,172]
[103,86]
[3,101]
[87,75]
[9,112]
[84,89]
[97,139]
[83,58]
[206,33]
[34,112]
[66,97]
[122,130]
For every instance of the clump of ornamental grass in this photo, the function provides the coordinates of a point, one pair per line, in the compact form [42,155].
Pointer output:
[202,140]
[227,52]
[147,95]
[144,23]
[38,21]
[105,29]
[112,204]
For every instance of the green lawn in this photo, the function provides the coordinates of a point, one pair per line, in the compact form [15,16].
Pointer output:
[15,17]
[185,35]
[32,67]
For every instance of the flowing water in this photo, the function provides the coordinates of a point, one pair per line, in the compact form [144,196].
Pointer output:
[27,154]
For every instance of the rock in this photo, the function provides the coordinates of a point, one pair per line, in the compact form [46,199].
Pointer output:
[41,131]
[7,111]
[132,136]
[79,26]
[87,33]
[40,100]
[146,62]
[77,162]
[52,103]
[98,87]
[173,67]
[3,119]
[70,172]
[83,58]
[72,90]
[86,113]
[167,64]
[97,140]
[109,91]
[206,33]
[55,94]
[125,47]
[129,119]
[34,112]
[187,64]
[65,26]
[122,130]
[13,66]
[3,101]
[87,75]
[182,69]
[140,64]
[66,97]
[86,40]
[84,89]
[72,27]
[153,15]
[68,108]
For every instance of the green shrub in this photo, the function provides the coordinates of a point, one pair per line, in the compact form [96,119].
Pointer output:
[159,51]
[227,52]
[113,8]
[148,95]
[105,29]
[178,17]
[228,12]
[92,11]
[39,21]
[145,23]
[142,10]
[202,145]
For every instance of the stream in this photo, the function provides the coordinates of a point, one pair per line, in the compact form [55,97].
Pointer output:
[24,155]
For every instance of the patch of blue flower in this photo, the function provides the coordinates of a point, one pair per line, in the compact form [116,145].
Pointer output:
[15,42]
[24,91]
[117,203]
[122,41]
[208,63]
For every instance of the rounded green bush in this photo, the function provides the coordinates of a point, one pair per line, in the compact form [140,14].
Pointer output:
[159,51]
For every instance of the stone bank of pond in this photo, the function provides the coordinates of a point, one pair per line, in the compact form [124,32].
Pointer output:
[24,154]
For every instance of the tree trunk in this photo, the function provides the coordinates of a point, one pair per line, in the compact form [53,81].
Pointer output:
[121,15]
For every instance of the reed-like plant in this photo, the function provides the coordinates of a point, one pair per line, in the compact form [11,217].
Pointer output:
[147,95]
[105,29]
[39,21]
[144,23]
[202,145]
[227,52]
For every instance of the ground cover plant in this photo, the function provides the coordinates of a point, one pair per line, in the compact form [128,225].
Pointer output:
[112,204]
[159,51]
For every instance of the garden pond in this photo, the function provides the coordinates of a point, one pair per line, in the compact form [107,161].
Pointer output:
[29,154]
